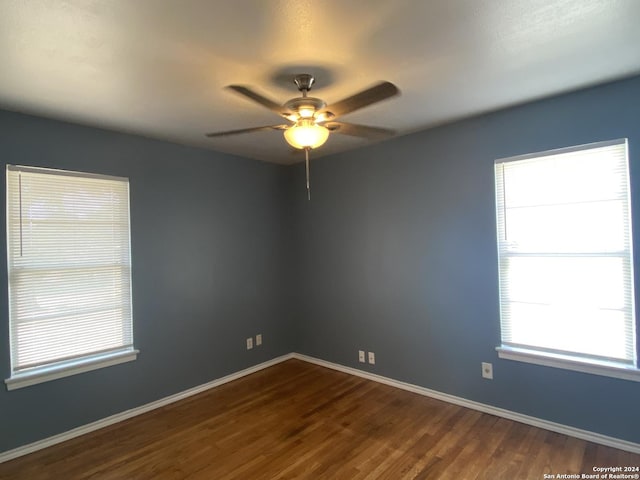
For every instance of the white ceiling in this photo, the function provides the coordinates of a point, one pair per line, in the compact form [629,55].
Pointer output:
[158,67]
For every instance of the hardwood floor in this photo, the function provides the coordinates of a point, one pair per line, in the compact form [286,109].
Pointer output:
[300,421]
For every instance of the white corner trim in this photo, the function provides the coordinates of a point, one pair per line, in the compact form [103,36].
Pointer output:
[482,407]
[119,417]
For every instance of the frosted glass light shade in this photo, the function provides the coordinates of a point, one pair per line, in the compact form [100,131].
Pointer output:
[306,134]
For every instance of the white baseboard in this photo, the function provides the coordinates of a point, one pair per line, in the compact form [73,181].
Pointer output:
[518,417]
[499,412]
[119,417]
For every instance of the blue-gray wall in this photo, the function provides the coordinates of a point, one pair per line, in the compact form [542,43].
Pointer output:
[394,254]
[397,255]
[208,249]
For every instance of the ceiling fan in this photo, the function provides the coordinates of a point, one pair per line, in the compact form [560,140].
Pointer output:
[310,120]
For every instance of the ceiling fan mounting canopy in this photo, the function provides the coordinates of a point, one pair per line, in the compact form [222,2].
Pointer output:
[304,81]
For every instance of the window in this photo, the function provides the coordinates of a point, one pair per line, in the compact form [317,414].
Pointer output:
[69,273]
[565,259]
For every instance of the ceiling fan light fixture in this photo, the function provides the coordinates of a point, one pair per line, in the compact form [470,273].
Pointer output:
[306,134]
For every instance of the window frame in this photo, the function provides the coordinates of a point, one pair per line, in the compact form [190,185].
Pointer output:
[92,360]
[577,362]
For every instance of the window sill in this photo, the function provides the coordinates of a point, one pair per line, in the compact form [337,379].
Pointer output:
[67,369]
[570,363]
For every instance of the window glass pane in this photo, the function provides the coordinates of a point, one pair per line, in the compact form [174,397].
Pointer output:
[595,282]
[574,227]
[581,176]
[69,336]
[564,250]
[560,328]
[69,266]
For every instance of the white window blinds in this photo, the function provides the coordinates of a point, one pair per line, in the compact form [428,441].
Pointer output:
[565,254]
[69,267]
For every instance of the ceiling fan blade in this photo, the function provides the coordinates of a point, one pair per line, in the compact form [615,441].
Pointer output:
[363,99]
[246,130]
[363,131]
[260,99]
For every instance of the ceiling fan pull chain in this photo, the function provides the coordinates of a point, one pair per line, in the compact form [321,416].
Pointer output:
[306,156]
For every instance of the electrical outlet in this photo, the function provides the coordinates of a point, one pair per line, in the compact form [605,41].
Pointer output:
[487,370]
[249,343]
[258,340]
[372,358]
[361,356]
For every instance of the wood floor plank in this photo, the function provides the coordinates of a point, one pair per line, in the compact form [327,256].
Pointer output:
[301,421]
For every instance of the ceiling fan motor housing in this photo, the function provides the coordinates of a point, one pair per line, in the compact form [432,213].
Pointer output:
[305,107]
